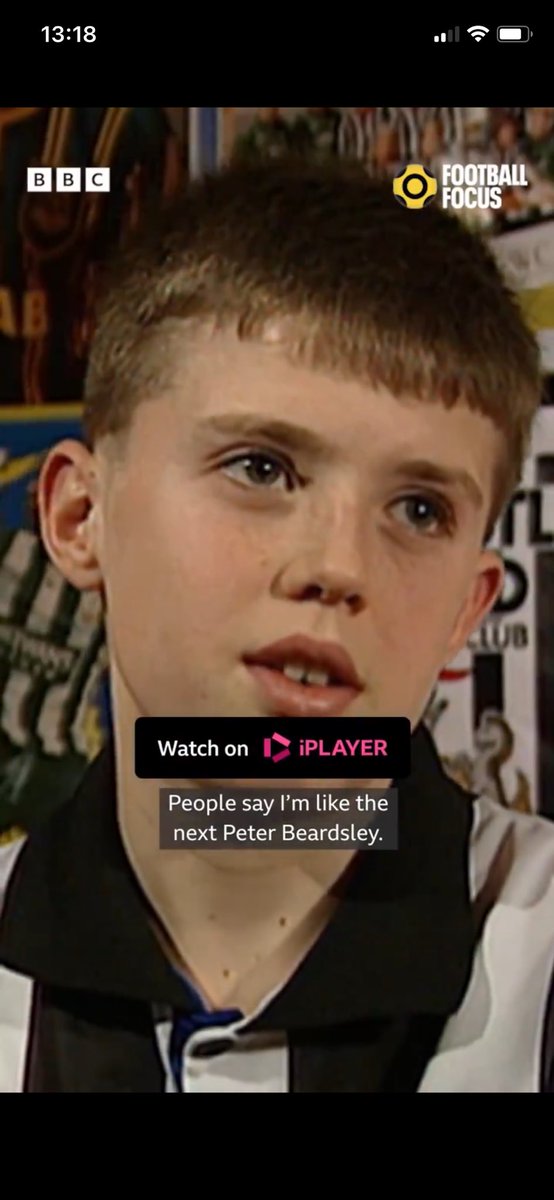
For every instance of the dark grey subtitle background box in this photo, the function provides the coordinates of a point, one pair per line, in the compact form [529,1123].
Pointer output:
[278,819]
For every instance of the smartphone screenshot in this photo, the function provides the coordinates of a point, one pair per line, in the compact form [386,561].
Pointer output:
[277,570]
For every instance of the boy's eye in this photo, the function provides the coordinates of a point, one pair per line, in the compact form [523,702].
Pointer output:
[425,514]
[261,470]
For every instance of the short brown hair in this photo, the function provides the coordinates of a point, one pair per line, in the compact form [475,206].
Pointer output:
[411,300]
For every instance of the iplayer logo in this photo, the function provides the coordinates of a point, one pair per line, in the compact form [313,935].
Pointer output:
[283,741]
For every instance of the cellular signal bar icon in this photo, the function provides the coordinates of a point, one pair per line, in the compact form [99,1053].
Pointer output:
[453,35]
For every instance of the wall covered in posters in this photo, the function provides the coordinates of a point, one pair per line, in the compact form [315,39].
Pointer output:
[386,139]
[492,710]
[52,650]
[53,715]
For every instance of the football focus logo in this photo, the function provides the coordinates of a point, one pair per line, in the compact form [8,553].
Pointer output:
[414,187]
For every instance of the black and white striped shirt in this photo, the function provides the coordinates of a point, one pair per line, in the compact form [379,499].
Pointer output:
[432,975]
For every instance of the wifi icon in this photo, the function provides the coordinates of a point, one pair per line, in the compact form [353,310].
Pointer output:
[478,32]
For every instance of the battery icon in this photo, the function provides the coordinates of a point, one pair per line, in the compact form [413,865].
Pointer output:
[514,33]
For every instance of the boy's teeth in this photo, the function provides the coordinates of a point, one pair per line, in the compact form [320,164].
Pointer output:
[300,674]
[292,671]
[318,677]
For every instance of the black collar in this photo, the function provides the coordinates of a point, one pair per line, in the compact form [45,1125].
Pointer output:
[400,942]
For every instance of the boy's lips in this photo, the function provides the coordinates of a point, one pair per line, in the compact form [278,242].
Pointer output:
[288,697]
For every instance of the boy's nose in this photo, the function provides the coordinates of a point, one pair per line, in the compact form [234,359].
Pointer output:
[327,557]
[305,579]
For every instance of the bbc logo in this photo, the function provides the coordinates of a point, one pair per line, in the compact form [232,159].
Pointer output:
[68,179]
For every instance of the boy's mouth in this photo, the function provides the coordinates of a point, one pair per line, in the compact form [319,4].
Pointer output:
[302,677]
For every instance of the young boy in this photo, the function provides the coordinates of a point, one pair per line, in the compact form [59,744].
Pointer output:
[294,318]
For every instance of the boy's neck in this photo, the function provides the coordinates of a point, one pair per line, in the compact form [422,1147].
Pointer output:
[238,923]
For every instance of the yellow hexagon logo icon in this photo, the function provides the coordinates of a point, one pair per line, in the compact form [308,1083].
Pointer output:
[414,187]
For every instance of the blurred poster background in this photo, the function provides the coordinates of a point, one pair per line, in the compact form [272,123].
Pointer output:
[54,709]
[387,139]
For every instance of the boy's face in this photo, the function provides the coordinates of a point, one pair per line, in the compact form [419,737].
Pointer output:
[207,555]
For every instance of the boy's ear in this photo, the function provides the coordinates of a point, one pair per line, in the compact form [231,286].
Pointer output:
[69,513]
[486,587]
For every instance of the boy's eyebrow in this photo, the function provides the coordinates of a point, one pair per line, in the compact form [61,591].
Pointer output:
[296,437]
[430,472]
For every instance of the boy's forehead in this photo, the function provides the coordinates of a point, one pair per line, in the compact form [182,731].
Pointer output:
[230,384]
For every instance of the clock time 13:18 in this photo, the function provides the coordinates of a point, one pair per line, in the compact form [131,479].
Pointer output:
[61,33]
